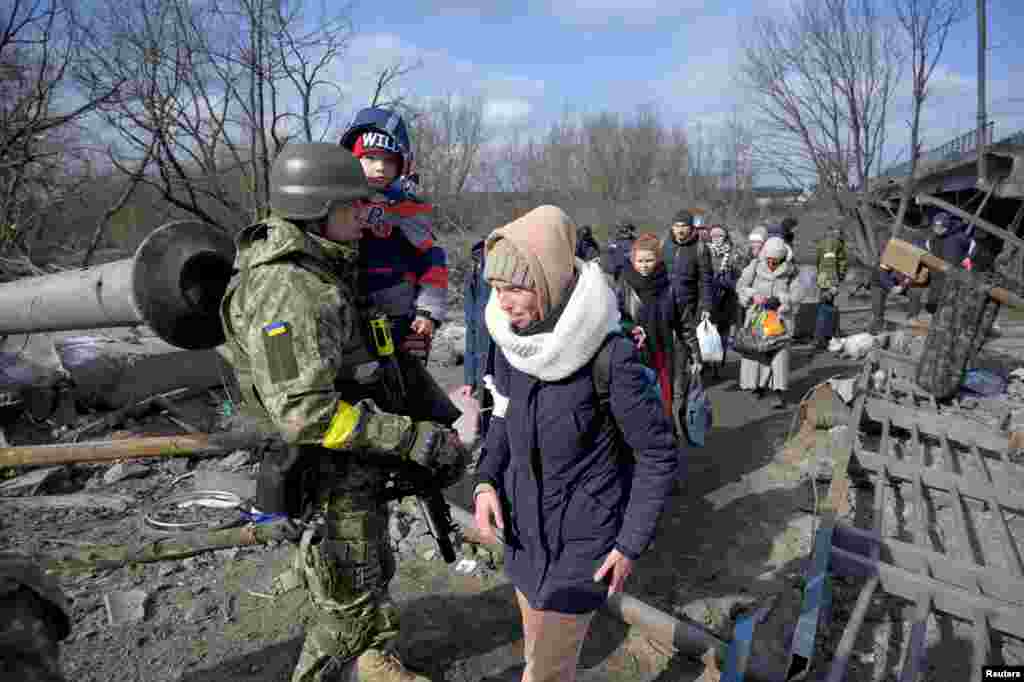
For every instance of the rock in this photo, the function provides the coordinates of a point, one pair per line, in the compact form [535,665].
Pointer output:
[125,607]
[34,481]
[177,465]
[117,503]
[123,470]
[398,528]
[237,459]
[229,554]
[167,569]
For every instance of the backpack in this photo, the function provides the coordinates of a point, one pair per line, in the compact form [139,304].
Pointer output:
[601,374]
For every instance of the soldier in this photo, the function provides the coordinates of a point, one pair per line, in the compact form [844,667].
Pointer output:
[33,619]
[831,265]
[296,340]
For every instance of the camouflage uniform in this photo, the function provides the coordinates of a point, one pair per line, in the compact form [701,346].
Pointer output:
[294,336]
[33,618]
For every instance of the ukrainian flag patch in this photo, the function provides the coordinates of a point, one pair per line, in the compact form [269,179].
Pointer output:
[279,347]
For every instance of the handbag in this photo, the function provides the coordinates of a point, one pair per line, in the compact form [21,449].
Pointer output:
[752,342]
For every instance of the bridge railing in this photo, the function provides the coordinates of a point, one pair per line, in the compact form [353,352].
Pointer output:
[954,150]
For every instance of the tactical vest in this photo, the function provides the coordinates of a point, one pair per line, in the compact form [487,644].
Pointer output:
[359,375]
[828,263]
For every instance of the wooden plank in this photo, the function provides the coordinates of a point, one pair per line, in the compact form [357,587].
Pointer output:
[994,582]
[927,200]
[971,486]
[1008,542]
[948,599]
[935,424]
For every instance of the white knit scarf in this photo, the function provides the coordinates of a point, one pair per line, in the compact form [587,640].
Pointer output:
[588,317]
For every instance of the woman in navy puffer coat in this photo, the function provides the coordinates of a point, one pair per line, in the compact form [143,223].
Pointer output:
[576,509]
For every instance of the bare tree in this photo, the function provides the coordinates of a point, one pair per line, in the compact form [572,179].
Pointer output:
[39,53]
[926,24]
[448,134]
[217,88]
[823,76]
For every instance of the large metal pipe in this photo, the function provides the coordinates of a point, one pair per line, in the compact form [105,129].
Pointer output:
[173,284]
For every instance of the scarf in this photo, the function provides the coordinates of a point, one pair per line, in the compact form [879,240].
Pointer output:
[721,250]
[650,317]
[559,345]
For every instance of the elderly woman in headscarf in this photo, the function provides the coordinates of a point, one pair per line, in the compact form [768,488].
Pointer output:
[726,267]
[555,475]
[770,283]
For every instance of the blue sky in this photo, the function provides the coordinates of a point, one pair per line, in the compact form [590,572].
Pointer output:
[531,59]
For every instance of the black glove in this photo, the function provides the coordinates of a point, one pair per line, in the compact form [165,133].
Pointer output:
[772,303]
[437,449]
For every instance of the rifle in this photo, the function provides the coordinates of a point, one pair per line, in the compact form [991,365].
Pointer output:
[412,480]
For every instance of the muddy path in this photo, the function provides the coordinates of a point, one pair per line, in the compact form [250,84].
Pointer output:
[738,534]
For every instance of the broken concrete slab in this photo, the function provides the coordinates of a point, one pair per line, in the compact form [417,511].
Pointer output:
[240,484]
[33,481]
[124,470]
[117,503]
[125,607]
[111,373]
[237,459]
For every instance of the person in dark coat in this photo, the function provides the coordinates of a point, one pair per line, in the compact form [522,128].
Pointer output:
[951,244]
[617,255]
[476,291]
[586,246]
[554,477]
[726,266]
[648,311]
[688,262]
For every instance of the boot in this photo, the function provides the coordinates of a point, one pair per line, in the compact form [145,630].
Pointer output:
[377,665]
[778,400]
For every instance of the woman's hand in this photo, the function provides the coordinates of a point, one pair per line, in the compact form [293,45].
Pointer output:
[487,507]
[423,326]
[616,568]
[759,299]
[639,337]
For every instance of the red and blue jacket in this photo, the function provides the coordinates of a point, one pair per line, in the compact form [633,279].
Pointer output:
[405,272]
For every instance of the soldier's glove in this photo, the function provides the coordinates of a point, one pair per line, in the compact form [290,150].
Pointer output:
[437,449]
[828,295]
[417,345]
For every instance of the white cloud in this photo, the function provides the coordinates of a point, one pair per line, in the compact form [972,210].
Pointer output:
[506,110]
[508,97]
[599,13]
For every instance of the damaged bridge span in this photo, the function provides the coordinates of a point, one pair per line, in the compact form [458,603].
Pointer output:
[941,533]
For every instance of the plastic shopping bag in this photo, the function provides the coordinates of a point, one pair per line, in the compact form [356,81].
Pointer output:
[710,343]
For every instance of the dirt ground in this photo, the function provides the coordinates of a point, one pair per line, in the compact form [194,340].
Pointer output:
[738,534]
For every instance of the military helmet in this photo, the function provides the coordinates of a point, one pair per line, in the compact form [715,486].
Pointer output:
[308,177]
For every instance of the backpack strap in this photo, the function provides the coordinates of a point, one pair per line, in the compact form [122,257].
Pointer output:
[601,370]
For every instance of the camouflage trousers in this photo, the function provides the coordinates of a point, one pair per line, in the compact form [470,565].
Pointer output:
[346,571]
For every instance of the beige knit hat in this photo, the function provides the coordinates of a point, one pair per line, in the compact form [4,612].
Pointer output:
[504,262]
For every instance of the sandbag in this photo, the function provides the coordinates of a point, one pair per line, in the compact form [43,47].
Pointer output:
[957,331]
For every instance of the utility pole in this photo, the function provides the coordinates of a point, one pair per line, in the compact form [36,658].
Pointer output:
[982,109]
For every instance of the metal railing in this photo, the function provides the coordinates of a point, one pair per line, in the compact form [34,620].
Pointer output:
[954,150]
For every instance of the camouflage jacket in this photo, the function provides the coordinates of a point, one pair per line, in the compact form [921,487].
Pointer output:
[831,262]
[292,327]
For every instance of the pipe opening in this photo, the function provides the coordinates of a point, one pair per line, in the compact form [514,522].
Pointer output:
[203,280]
